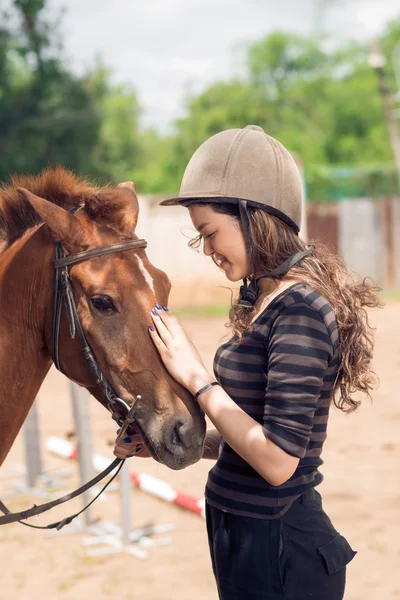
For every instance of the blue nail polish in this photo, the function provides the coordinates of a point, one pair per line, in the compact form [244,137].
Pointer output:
[151,328]
[158,306]
[153,312]
[165,308]
[127,440]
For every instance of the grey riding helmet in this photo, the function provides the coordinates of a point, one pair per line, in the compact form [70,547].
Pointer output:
[250,168]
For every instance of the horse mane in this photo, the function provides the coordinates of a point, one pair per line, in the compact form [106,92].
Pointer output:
[57,185]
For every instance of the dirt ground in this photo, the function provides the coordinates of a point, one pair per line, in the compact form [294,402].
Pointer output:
[361,494]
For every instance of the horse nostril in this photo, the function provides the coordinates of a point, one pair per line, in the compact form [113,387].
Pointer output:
[176,438]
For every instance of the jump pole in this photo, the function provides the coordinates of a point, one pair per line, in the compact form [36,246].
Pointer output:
[81,414]
[147,483]
[36,480]
[104,538]
[33,458]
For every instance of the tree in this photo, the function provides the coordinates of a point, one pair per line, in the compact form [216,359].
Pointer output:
[118,150]
[315,95]
[50,116]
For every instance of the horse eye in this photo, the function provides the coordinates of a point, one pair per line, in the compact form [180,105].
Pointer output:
[104,304]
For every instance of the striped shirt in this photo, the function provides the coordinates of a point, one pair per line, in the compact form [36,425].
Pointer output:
[281,373]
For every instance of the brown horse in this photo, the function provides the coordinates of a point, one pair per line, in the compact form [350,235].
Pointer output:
[114,295]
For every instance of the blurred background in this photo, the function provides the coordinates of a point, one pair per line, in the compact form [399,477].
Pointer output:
[121,90]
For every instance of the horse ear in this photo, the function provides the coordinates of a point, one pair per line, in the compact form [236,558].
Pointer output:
[121,210]
[65,226]
[130,203]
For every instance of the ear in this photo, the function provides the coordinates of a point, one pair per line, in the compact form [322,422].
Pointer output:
[126,207]
[65,227]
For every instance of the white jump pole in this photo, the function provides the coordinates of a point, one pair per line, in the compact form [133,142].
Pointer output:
[125,494]
[114,537]
[81,414]
[36,478]
[83,430]
[33,458]
[105,538]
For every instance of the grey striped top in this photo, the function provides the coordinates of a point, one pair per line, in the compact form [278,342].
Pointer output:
[281,372]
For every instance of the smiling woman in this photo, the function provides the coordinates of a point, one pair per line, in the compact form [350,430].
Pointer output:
[301,343]
[222,238]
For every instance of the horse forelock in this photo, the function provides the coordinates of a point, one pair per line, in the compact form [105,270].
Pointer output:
[57,185]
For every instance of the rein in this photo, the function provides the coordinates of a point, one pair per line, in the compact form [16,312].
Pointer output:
[121,412]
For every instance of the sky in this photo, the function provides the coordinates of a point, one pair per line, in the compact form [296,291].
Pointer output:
[166,49]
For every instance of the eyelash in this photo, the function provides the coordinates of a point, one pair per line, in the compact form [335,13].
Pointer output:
[209,236]
[104,304]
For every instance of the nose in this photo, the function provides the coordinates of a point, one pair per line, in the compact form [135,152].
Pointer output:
[207,247]
[183,436]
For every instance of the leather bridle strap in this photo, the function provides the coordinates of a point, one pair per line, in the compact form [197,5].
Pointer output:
[37,510]
[74,259]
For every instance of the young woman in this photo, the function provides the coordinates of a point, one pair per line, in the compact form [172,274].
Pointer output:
[301,341]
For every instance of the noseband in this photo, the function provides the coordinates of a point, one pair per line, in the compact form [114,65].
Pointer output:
[121,412]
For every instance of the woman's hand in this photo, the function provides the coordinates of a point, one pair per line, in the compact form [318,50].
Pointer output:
[131,446]
[179,355]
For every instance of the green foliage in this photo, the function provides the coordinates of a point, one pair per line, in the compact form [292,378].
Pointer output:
[317,96]
[50,116]
[118,146]
[329,184]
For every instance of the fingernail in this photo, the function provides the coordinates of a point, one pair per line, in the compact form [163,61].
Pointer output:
[130,456]
[127,440]
[151,328]
[153,312]
[165,308]
[158,306]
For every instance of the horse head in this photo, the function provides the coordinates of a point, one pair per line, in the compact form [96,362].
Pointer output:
[114,295]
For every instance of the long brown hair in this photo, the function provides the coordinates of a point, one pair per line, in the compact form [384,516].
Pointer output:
[349,296]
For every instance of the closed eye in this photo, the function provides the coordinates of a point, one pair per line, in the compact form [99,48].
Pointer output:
[206,237]
[104,304]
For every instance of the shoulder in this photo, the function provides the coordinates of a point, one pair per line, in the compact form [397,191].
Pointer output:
[301,310]
[302,298]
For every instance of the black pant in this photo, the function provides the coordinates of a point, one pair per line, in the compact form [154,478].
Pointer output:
[299,556]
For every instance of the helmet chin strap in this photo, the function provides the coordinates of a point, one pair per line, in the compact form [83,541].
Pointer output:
[249,292]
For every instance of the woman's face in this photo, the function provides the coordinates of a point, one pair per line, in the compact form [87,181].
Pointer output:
[223,239]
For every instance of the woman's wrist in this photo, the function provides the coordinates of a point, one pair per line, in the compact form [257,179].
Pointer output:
[204,389]
[200,380]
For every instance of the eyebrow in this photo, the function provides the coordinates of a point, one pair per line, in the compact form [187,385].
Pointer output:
[201,227]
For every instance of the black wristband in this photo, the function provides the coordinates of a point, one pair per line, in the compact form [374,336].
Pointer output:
[205,388]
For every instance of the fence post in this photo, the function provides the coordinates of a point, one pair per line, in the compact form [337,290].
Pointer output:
[361,237]
[33,459]
[125,488]
[396,240]
[81,413]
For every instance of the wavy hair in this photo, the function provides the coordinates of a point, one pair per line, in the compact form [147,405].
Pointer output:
[349,296]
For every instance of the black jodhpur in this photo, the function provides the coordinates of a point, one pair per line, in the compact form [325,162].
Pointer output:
[299,556]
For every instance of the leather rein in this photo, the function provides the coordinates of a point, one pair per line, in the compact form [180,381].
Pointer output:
[121,412]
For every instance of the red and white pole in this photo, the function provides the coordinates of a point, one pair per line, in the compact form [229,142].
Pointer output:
[146,483]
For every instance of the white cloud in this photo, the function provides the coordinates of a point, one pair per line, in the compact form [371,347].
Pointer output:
[369,14]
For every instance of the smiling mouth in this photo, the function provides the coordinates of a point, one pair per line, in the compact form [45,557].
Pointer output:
[221,262]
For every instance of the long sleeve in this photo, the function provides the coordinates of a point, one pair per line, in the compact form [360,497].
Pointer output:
[299,351]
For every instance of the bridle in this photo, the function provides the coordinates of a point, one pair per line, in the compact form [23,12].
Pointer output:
[63,291]
[121,412]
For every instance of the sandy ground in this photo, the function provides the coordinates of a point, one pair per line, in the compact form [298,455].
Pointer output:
[361,494]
